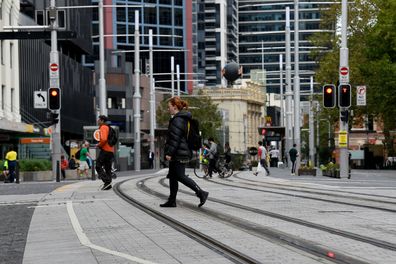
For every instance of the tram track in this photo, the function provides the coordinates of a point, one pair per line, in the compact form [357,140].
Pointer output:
[263,232]
[226,183]
[328,192]
[215,245]
[345,234]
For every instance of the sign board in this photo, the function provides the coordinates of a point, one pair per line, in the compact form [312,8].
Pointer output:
[253,151]
[344,74]
[54,70]
[96,135]
[343,139]
[40,99]
[361,92]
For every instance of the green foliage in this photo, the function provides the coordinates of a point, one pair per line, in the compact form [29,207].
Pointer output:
[35,165]
[329,166]
[202,108]
[372,58]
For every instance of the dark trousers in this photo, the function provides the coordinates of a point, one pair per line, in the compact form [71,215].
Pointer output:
[103,165]
[11,170]
[63,174]
[263,163]
[293,168]
[212,167]
[177,173]
[151,163]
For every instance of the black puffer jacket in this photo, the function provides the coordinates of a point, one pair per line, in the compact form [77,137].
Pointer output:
[176,144]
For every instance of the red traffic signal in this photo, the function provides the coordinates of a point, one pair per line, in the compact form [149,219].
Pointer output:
[344,95]
[329,98]
[54,100]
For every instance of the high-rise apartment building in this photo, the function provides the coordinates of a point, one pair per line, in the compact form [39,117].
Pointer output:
[171,19]
[262,24]
[215,39]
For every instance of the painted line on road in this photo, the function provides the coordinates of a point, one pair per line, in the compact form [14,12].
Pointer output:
[84,240]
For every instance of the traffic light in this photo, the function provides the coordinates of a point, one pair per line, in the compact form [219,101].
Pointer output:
[329,98]
[54,118]
[54,101]
[344,95]
[344,115]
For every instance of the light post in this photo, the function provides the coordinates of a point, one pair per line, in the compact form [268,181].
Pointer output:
[297,138]
[137,97]
[102,80]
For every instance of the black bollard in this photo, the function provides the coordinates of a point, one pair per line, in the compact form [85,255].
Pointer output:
[17,172]
[57,171]
[93,177]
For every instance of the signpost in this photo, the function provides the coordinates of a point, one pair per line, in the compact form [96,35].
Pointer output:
[40,99]
[343,139]
[361,92]
[344,74]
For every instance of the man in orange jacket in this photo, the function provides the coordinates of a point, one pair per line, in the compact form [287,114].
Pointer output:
[106,154]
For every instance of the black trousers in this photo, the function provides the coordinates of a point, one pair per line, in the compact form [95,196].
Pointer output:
[103,165]
[263,163]
[177,173]
[293,168]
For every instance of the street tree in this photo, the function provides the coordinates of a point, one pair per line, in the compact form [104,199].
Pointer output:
[202,108]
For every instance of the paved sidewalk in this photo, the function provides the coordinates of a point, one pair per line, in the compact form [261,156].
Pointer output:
[78,223]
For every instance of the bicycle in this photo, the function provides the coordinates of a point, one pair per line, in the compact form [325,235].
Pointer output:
[201,168]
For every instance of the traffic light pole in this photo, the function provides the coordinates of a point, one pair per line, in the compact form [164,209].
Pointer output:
[54,81]
[344,62]
[137,97]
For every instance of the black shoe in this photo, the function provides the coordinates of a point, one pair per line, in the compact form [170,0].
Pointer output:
[202,198]
[168,204]
[106,186]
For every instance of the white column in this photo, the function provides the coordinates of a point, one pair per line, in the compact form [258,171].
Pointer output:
[15,66]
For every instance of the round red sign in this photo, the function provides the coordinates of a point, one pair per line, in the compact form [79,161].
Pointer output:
[54,67]
[344,71]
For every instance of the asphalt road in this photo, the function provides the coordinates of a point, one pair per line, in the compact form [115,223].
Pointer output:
[17,203]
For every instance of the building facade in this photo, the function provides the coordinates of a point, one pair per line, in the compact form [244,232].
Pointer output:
[244,113]
[215,39]
[170,22]
[262,34]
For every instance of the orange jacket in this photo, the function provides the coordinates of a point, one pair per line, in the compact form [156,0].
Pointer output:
[104,133]
[64,164]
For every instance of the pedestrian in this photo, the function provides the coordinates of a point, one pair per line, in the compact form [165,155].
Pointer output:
[5,171]
[151,159]
[262,154]
[178,153]
[227,153]
[64,166]
[83,168]
[212,154]
[72,163]
[293,154]
[106,154]
[11,158]
[274,154]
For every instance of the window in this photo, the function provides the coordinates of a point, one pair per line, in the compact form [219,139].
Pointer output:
[165,15]
[141,115]
[150,15]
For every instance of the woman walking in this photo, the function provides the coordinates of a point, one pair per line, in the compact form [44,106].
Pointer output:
[178,153]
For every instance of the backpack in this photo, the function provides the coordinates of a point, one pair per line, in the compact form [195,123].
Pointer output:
[193,138]
[77,154]
[112,138]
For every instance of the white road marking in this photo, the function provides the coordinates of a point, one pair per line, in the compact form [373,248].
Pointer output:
[84,240]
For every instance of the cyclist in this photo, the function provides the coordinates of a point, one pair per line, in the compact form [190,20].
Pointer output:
[212,155]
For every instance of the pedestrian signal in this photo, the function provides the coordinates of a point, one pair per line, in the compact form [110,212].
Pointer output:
[344,115]
[54,118]
[54,102]
[329,98]
[344,95]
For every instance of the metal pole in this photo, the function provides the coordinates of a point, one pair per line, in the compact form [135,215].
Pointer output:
[173,75]
[317,134]
[136,96]
[288,94]
[178,79]
[54,58]
[262,63]
[152,95]
[297,138]
[311,126]
[102,80]
[282,120]
[344,62]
